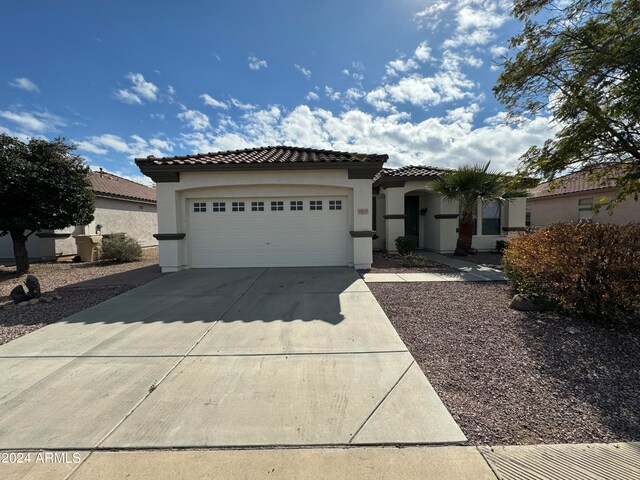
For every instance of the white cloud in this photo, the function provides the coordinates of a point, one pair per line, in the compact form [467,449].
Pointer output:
[139,91]
[195,119]
[255,63]
[312,96]
[477,20]
[136,147]
[423,52]
[24,83]
[431,15]
[304,71]
[399,65]
[212,102]
[34,122]
[447,142]
[157,116]
[241,105]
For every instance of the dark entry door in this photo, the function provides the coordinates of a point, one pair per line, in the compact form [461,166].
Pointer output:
[412,212]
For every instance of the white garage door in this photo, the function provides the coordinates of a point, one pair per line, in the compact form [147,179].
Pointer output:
[275,232]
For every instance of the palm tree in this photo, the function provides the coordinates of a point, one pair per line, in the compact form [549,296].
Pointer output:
[469,185]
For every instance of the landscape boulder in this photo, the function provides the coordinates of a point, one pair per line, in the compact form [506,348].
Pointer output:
[33,284]
[18,295]
[524,304]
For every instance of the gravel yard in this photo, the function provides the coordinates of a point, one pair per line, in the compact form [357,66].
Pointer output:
[67,279]
[390,263]
[482,258]
[513,377]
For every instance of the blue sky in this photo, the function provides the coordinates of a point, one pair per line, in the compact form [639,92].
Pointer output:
[122,79]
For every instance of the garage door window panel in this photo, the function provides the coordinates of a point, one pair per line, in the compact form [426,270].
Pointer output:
[296,205]
[219,207]
[257,206]
[335,204]
[199,207]
[237,206]
[277,206]
[315,205]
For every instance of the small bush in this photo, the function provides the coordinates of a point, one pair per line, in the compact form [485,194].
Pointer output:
[585,269]
[406,245]
[119,247]
[412,261]
[501,245]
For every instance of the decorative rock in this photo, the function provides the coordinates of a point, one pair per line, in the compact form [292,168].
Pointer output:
[19,295]
[23,304]
[57,297]
[33,301]
[33,284]
[47,298]
[524,304]
[572,330]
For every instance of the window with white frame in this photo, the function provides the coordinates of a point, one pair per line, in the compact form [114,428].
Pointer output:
[296,205]
[257,206]
[237,206]
[218,207]
[335,204]
[491,215]
[315,205]
[277,206]
[585,209]
[199,207]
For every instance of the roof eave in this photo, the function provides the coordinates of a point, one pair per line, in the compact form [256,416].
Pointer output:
[161,173]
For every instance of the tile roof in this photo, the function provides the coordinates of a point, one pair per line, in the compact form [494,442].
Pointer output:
[573,183]
[110,185]
[265,155]
[411,171]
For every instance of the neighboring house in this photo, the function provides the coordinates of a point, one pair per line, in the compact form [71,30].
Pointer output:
[573,199]
[287,206]
[405,204]
[121,206]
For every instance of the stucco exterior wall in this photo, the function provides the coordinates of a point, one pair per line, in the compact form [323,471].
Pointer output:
[564,208]
[172,196]
[137,219]
[439,234]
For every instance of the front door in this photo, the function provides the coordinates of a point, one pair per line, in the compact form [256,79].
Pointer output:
[412,212]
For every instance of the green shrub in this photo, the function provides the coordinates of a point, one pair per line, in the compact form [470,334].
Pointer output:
[585,269]
[501,245]
[406,245]
[119,247]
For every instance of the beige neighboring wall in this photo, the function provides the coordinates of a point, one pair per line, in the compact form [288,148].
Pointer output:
[564,208]
[139,220]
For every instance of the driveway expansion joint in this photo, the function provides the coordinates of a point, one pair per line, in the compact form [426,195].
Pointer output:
[353,437]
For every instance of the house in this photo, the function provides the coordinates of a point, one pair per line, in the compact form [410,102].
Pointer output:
[572,200]
[287,206]
[121,206]
[405,204]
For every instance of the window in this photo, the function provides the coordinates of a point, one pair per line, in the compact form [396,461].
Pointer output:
[315,205]
[277,206]
[335,204]
[585,211]
[296,205]
[199,207]
[257,206]
[527,217]
[491,219]
[218,207]
[237,206]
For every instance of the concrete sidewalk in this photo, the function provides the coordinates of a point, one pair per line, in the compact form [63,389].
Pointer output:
[538,462]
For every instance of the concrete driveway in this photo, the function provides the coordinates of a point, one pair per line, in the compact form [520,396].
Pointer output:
[221,358]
